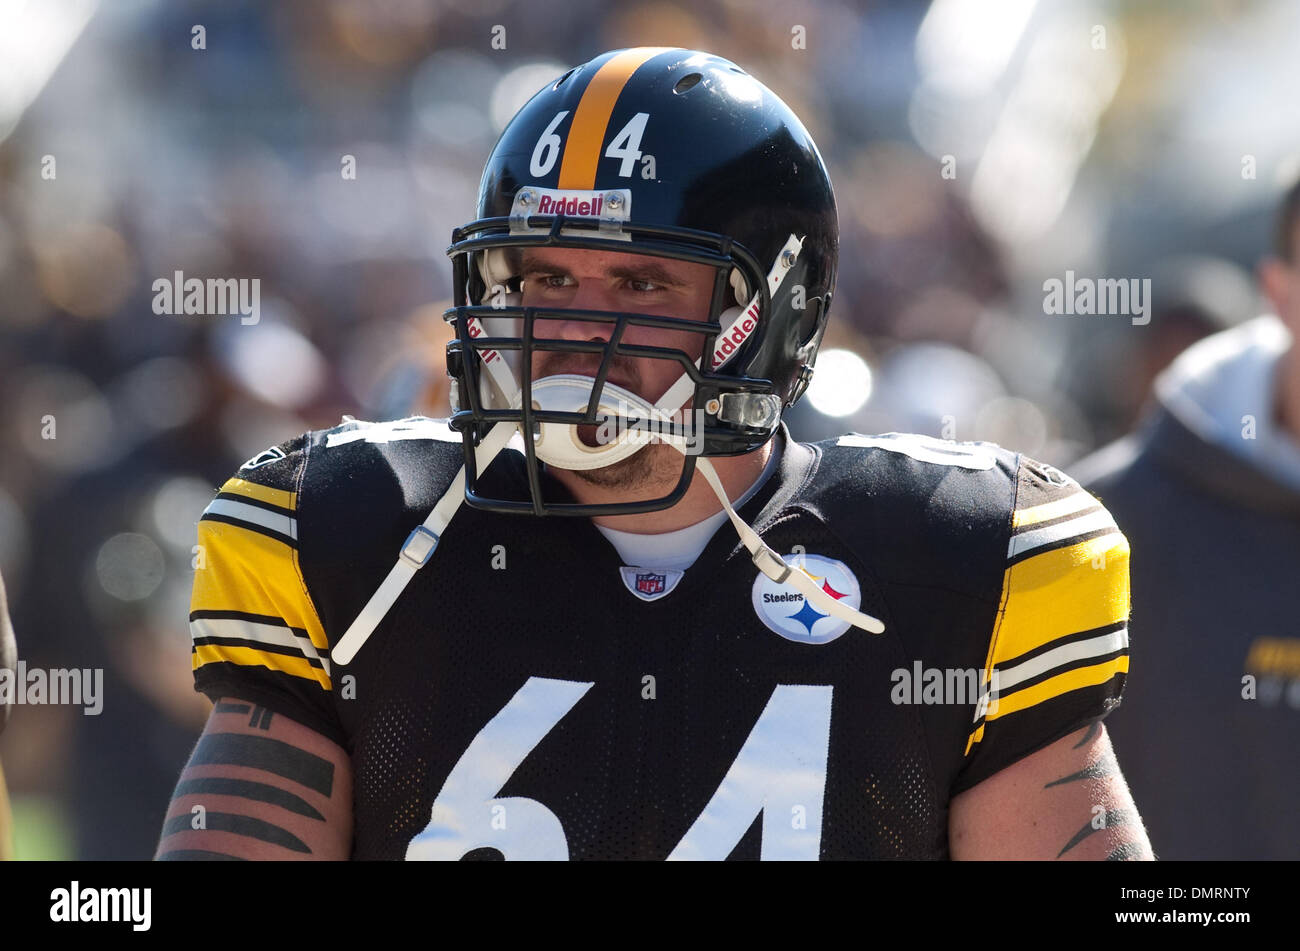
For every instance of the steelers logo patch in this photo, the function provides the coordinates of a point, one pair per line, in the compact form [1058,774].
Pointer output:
[785,610]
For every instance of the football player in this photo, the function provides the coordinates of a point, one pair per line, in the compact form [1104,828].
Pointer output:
[610,609]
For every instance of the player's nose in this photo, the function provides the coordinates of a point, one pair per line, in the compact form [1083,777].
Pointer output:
[590,296]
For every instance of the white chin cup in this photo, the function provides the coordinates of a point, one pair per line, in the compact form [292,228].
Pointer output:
[558,444]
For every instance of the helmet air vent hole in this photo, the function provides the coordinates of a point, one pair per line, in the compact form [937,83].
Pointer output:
[560,82]
[686,82]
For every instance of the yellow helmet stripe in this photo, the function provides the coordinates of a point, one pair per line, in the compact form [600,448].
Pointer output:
[591,118]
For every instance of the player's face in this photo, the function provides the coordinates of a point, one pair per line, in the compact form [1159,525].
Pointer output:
[616,281]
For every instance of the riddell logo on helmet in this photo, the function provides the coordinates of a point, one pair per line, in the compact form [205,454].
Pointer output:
[735,335]
[586,206]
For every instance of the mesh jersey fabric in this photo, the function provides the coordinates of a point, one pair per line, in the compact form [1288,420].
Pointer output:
[976,559]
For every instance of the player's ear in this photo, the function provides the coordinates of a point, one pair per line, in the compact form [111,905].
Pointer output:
[1274,277]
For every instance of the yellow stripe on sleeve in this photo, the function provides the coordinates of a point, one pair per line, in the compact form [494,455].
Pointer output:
[261,493]
[1061,592]
[252,573]
[252,657]
[1050,510]
[1055,686]
[1048,689]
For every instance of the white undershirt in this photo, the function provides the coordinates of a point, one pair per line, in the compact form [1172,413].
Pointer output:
[678,550]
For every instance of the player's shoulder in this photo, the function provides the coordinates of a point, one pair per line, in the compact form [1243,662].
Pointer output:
[933,503]
[355,472]
[917,480]
[417,452]
[356,449]
[948,477]
[907,458]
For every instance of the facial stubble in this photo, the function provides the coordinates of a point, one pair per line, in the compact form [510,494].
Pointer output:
[652,465]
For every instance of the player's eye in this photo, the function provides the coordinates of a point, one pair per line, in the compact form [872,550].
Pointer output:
[551,281]
[643,287]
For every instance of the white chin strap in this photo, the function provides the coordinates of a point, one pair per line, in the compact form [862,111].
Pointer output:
[417,549]
[772,565]
[420,544]
[557,444]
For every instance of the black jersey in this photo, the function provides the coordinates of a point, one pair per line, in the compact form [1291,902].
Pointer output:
[531,694]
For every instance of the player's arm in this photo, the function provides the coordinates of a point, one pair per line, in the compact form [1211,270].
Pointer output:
[1040,779]
[1067,801]
[270,777]
[260,786]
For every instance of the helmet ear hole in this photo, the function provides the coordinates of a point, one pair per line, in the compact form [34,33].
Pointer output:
[497,274]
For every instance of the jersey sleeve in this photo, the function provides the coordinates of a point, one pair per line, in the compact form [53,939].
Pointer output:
[1058,654]
[256,633]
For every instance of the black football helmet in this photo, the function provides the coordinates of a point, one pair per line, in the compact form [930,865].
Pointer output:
[664,152]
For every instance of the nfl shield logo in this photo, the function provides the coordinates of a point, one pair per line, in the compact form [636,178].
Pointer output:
[650,583]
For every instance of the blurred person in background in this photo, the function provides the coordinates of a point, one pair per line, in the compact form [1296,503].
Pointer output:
[1112,370]
[1193,296]
[1208,492]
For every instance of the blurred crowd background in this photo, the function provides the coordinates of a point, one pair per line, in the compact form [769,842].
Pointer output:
[978,150]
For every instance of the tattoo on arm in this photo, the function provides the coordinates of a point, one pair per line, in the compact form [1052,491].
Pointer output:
[240,825]
[1110,818]
[1104,768]
[261,718]
[198,855]
[1101,769]
[1128,852]
[256,752]
[246,789]
[273,756]
[1088,737]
